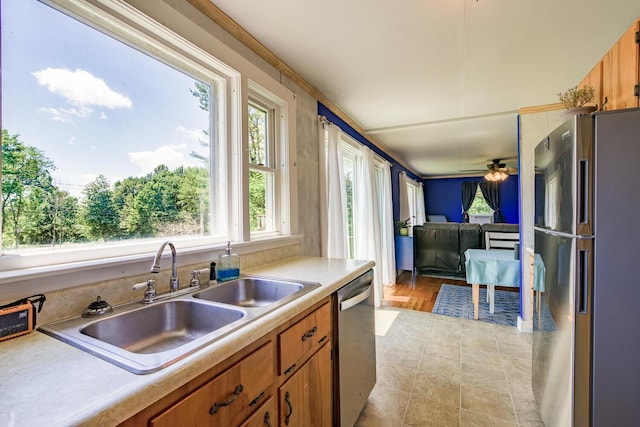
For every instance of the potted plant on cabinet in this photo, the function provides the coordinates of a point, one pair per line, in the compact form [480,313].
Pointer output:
[575,100]
[403,226]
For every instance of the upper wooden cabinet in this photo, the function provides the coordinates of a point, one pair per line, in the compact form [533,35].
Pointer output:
[594,79]
[617,76]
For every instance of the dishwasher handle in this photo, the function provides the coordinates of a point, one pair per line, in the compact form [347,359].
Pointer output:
[356,299]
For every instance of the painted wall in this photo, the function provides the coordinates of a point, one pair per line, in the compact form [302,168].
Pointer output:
[444,197]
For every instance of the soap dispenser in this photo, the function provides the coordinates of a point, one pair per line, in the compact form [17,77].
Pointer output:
[228,265]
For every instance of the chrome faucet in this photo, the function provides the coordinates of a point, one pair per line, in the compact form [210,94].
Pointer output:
[155,267]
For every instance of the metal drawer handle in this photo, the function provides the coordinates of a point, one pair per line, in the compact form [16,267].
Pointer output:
[267,419]
[286,399]
[257,399]
[228,402]
[311,332]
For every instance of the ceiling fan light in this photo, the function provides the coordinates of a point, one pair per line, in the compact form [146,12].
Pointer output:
[496,176]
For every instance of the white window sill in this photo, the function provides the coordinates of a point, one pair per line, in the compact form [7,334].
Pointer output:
[20,283]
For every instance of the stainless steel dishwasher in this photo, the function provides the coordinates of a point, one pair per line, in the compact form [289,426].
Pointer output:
[356,350]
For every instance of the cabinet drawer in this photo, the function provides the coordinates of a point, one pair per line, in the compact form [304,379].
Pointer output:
[226,399]
[303,338]
[267,415]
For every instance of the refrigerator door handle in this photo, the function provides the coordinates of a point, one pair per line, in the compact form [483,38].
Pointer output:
[584,280]
[583,192]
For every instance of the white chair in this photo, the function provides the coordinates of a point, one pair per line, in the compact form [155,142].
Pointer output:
[498,240]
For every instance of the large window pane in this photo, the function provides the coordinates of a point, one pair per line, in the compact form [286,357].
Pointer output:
[261,168]
[100,142]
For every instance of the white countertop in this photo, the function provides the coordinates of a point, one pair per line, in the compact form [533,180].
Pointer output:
[44,381]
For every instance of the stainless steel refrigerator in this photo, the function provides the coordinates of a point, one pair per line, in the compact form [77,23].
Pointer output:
[586,349]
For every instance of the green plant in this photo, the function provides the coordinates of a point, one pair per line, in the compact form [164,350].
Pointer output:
[405,223]
[577,96]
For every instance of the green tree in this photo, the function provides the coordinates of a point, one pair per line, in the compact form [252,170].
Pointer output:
[25,172]
[202,92]
[100,213]
[193,197]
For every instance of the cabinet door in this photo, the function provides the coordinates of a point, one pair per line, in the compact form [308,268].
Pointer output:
[227,399]
[305,400]
[620,71]
[303,338]
[266,416]
[594,79]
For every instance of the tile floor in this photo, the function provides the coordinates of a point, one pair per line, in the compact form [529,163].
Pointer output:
[443,371]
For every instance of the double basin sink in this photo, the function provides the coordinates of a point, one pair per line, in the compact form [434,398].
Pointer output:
[145,338]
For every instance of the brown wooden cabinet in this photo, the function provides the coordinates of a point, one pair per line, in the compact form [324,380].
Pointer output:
[303,338]
[252,387]
[594,79]
[266,416]
[305,399]
[616,78]
[226,400]
[620,71]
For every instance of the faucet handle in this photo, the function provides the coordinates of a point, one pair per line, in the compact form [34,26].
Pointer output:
[194,278]
[150,293]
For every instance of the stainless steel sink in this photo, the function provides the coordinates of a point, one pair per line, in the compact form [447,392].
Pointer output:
[144,338]
[250,292]
[162,326]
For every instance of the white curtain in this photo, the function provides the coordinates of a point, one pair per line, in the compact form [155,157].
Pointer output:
[333,218]
[421,216]
[368,236]
[404,197]
[388,262]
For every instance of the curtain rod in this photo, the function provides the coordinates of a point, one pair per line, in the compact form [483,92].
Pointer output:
[324,120]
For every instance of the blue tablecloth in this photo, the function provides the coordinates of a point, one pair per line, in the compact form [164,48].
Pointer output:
[499,267]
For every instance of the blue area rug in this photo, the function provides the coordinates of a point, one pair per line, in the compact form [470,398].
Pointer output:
[456,301]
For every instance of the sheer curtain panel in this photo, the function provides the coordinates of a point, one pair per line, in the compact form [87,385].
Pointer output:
[367,219]
[421,216]
[388,263]
[334,222]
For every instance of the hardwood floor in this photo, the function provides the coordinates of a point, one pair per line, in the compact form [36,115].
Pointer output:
[420,297]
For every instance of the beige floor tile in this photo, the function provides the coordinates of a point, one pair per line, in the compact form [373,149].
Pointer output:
[423,412]
[495,403]
[396,376]
[370,420]
[481,358]
[474,419]
[443,371]
[442,389]
[486,377]
[482,342]
[387,403]
[527,411]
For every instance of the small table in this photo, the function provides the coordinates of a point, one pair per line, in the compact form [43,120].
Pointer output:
[497,267]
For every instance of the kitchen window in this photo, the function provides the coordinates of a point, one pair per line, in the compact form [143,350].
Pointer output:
[115,139]
[262,165]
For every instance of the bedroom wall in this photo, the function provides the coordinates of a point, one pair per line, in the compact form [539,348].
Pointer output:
[444,197]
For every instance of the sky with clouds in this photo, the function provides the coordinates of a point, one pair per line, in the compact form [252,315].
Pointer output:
[90,103]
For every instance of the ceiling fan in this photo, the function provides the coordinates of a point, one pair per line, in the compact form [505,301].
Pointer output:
[497,170]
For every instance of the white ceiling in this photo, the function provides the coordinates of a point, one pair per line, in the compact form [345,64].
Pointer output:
[438,82]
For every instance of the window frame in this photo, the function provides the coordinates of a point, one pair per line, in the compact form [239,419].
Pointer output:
[412,201]
[164,42]
[261,99]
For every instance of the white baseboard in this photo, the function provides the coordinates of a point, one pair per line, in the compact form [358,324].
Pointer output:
[525,325]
